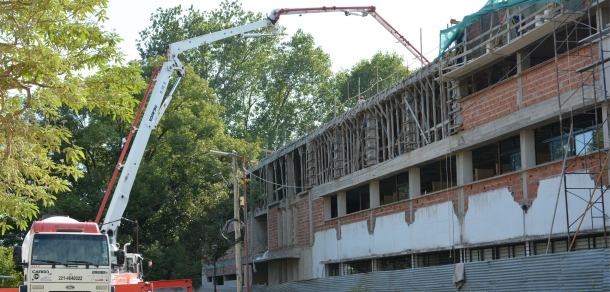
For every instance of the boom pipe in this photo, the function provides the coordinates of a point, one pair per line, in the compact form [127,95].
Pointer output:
[400,38]
[275,14]
[352,10]
[127,142]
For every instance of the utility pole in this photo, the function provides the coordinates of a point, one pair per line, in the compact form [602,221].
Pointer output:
[237,226]
[214,247]
[236,222]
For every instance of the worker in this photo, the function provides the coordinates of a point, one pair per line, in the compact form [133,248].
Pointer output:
[361,100]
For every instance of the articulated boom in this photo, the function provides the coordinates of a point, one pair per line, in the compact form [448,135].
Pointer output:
[158,104]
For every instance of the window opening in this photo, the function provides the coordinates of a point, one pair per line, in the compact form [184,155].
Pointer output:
[587,137]
[394,263]
[357,267]
[334,211]
[490,253]
[561,245]
[433,177]
[445,257]
[496,158]
[393,189]
[333,270]
[357,199]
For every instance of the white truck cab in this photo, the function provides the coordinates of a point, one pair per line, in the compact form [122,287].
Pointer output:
[62,254]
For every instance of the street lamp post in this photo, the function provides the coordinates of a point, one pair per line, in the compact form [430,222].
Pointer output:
[238,270]
[214,247]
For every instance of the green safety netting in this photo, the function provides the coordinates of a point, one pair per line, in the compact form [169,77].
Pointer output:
[449,35]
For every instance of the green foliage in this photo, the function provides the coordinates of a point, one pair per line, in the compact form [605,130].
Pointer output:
[177,200]
[290,103]
[269,88]
[44,45]
[237,92]
[374,75]
[8,268]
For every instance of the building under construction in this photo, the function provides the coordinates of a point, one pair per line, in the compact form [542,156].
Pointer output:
[486,169]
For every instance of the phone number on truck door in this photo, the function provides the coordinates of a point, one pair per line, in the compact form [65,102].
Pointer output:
[70,278]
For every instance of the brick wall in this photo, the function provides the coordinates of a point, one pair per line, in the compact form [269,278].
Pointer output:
[273,228]
[511,181]
[229,255]
[385,210]
[318,217]
[590,162]
[490,104]
[224,270]
[538,84]
[514,182]
[474,30]
[303,236]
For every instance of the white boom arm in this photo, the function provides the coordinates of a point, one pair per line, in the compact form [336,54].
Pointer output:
[154,111]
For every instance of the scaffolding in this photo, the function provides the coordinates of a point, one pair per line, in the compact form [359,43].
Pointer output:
[580,67]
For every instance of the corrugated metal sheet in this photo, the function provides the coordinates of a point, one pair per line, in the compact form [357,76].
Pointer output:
[587,270]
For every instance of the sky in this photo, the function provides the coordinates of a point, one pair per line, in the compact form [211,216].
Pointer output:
[346,39]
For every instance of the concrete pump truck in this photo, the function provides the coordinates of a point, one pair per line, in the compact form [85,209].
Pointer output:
[62,254]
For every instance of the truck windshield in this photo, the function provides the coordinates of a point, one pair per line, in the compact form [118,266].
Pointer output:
[70,249]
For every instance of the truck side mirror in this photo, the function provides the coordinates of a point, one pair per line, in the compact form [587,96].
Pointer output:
[120,257]
[17,255]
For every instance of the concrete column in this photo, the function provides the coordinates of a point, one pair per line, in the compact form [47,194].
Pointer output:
[414,183]
[523,60]
[374,193]
[327,208]
[259,233]
[527,143]
[288,228]
[464,167]
[341,204]
[269,184]
[290,180]
[280,229]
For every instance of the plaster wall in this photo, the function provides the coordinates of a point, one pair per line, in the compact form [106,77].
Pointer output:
[539,217]
[492,216]
[434,226]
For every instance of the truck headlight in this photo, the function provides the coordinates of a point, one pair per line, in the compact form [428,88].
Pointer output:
[37,287]
[101,287]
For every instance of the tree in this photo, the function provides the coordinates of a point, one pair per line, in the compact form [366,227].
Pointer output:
[267,87]
[8,268]
[229,65]
[45,47]
[177,198]
[374,75]
[291,103]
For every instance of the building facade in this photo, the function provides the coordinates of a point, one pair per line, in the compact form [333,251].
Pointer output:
[496,150]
